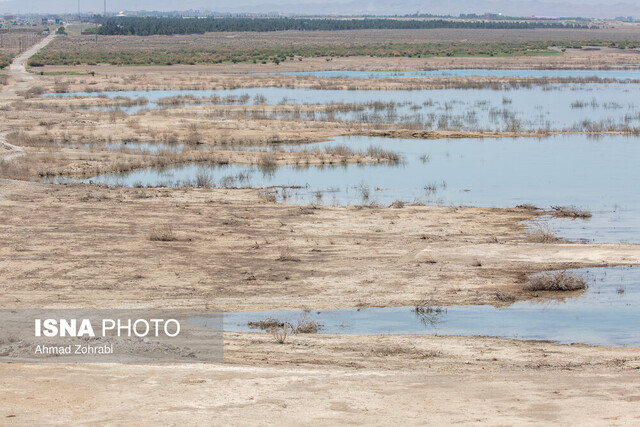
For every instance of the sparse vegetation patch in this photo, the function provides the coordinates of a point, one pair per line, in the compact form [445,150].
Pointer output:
[570,212]
[560,281]
[541,233]
[163,233]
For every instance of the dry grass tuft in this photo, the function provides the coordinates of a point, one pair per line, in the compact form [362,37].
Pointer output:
[15,169]
[204,179]
[541,233]
[33,92]
[306,325]
[267,161]
[163,234]
[23,139]
[281,333]
[339,150]
[505,297]
[380,154]
[266,324]
[570,212]
[528,207]
[286,254]
[559,281]
[279,329]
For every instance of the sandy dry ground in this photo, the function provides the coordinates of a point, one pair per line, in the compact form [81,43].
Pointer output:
[322,380]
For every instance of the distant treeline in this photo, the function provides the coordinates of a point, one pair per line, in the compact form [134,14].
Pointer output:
[168,26]
[90,54]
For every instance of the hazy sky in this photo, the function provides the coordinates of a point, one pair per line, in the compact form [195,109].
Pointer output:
[590,8]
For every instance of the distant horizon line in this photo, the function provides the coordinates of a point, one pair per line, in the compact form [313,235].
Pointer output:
[206,13]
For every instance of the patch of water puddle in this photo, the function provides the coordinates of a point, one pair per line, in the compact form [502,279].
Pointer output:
[606,314]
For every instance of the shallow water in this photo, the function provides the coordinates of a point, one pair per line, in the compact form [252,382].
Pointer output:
[138,147]
[549,107]
[600,175]
[602,74]
[607,314]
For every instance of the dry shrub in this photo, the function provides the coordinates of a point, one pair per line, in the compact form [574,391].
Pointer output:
[163,234]
[380,154]
[528,207]
[115,115]
[267,161]
[541,233]
[33,92]
[24,139]
[268,197]
[193,138]
[286,254]
[204,179]
[398,204]
[560,281]
[280,333]
[339,150]
[570,212]
[15,169]
[505,297]
[306,325]
[266,324]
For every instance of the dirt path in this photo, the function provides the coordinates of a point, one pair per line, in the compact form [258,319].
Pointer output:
[21,78]
[9,151]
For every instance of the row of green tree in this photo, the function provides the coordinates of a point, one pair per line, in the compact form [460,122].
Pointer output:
[166,26]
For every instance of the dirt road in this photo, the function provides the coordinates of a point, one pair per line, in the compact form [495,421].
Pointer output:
[9,151]
[21,79]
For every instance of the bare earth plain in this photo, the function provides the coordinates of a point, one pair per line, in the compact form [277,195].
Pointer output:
[237,249]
